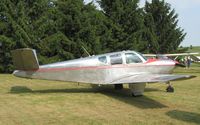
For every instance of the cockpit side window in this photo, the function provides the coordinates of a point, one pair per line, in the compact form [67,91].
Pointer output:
[103,59]
[132,58]
[116,59]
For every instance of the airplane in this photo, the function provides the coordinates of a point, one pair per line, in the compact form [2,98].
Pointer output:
[115,68]
[198,58]
[174,56]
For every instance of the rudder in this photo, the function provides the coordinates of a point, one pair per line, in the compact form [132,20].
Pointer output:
[25,59]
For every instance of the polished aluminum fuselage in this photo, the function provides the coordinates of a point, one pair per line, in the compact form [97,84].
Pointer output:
[91,70]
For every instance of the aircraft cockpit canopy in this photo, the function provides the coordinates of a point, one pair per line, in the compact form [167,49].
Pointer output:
[122,58]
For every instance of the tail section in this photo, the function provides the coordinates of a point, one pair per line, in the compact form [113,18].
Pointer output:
[25,59]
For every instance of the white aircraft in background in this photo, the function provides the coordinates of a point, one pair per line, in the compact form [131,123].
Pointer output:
[107,69]
[198,58]
[174,56]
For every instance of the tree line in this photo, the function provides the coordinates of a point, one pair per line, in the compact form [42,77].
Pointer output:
[58,29]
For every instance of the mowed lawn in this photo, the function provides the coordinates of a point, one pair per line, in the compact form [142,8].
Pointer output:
[41,102]
[194,49]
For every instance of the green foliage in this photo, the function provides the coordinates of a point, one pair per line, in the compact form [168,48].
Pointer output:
[163,33]
[58,29]
[5,65]
[191,46]
[127,18]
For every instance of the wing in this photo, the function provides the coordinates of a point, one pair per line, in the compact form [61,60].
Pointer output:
[149,55]
[149,78]
[175,54]
[181,54]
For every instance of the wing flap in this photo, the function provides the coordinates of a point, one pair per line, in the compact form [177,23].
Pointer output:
[150,78]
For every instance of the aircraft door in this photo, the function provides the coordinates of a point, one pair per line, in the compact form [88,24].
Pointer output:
[116,60]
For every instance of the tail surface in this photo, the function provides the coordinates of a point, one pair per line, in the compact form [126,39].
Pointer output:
[25,59]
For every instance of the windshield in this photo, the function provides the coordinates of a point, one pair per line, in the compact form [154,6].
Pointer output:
[132,58]
[142,56]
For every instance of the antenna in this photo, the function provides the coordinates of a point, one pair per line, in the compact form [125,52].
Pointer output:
[86,51]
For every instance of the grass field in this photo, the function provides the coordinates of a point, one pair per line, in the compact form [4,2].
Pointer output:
[194,49]
[40,102]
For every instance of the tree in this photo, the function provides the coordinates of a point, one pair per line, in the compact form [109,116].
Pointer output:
[23,24]
[163,33]
[56,29]
[128,23]
[191,46]
[10,29]
[84,25]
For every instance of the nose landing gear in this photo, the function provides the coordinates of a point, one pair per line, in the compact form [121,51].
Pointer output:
[169,87]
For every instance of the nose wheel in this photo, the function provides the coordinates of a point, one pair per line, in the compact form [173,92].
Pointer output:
[169,87]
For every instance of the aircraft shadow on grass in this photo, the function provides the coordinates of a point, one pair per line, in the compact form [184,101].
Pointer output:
[153,90]
[184,116]
[143,102]
[189,71]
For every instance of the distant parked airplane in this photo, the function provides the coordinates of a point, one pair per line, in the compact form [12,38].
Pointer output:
[111,68]
[174,56]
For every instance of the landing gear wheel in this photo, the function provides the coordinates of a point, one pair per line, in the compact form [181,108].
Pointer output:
[170,89]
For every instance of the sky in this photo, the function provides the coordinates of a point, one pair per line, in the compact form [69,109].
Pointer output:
[189,18]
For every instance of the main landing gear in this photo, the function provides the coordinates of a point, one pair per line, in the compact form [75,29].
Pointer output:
[118,86]
[137,89]
[169,87]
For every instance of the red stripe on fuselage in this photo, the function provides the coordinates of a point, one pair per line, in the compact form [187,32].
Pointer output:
[95,67]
